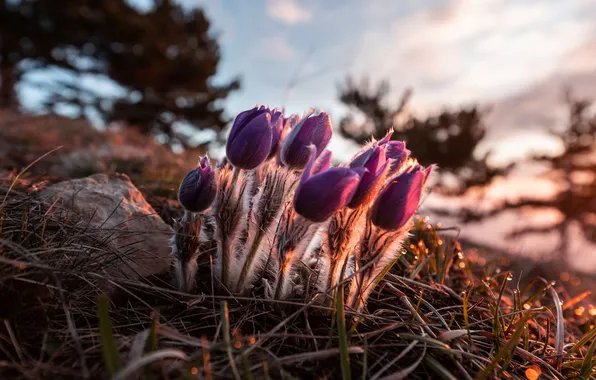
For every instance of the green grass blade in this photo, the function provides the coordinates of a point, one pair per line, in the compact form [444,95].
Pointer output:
[582,342]
[588,363]
[506,351]
[343,335]
[106,337]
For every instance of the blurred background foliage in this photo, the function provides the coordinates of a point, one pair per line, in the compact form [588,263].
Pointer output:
[163,60]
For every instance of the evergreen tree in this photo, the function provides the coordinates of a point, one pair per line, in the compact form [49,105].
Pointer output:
[449,139]
[163,59]
[572,172]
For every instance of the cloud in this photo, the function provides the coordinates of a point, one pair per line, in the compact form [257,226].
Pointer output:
[541,104]
[287,11]
[582,59]
[469,50]
[276,48]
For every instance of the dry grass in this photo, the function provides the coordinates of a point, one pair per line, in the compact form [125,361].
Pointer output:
[433,316]
[436,314]
[84,150]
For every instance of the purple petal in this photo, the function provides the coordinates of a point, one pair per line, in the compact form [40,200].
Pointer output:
[197,190]
[373,159]
[251,145]
[241,120]
[325,193]
[323,162]
[386,138]
[204,161]
[427,172]
[307,172]
[315,130]
[399,200]
[397,152]
[360,158]
[276,130]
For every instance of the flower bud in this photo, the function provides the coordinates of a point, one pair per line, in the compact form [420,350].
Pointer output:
[321,195]
[288,125]
[197,190]
[249,143]
[323,162]
[277,126]
[314,130]
[396,153]
[400,198]
[373,160]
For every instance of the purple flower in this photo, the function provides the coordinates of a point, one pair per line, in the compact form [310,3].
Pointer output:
[321,195]
[372,159]
[288,124]
[291,122]
[323,162]
[277,126]
[400,198]
[249,143]
[197,190]
[396,153]
[314,130]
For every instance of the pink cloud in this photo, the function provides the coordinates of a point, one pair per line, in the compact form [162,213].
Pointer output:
[541,105]
[287,11]
[472,50]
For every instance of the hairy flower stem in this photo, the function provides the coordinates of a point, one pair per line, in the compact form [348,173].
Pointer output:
[225,260]
[377,254]
[185,245]
[223,243]
[283,275]
[338,272]
[248,261]
[367,256]
[262,224]
[292,246]
[342,236]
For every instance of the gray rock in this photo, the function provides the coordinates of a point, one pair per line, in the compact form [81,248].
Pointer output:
[110,205]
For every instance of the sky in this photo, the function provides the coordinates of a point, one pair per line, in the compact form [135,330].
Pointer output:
[515,56]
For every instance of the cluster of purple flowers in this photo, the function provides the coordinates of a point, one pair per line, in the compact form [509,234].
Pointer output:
[277,175]
[256,137]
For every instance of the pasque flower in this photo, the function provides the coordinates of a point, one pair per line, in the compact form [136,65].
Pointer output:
[277,127]
[399,199]
[314,130]
[372,158]
[396,153]
[261,226]
[197,190]
[320,195]
[288,125]
[249,143]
